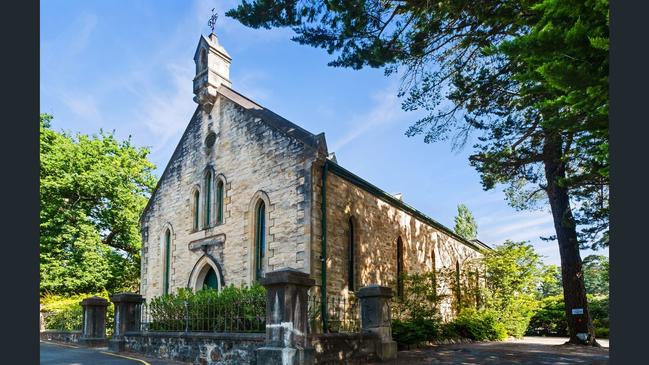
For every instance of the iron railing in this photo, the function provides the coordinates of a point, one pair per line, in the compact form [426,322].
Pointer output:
[343,313]
[247,315]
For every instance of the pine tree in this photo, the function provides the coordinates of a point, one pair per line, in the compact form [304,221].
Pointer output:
[465,224]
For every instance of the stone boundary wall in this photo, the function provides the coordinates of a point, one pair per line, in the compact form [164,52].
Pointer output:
[60,336]
[198,348]
[344,348]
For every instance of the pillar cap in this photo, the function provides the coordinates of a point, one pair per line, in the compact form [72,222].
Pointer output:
[126,298]
[287,276]
[95,302]
[374,291]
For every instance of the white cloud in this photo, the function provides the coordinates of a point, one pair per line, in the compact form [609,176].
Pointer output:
[83,106]
[386,110]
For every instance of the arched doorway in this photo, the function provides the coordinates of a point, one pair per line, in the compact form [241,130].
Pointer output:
[206,274]
[211,281]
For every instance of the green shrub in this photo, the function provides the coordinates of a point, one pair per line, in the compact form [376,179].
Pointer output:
[476,325]
[415,331]
[550,319]
[231,309]
[64,313]
[420,299]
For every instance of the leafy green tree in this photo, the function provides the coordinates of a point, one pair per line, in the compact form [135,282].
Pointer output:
[596,274]
[530,77]
[92,190]
[550,281]
[513,276]
[465,225]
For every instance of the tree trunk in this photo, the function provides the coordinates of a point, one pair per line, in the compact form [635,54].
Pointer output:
[574,290]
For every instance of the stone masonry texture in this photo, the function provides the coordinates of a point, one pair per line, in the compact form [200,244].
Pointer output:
[254,160]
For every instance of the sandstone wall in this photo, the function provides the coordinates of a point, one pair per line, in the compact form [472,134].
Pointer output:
[252,157]
[377,227]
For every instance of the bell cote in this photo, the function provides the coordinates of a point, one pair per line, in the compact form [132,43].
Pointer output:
[212,70]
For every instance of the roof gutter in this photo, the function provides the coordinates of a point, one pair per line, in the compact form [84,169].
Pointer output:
[372,189]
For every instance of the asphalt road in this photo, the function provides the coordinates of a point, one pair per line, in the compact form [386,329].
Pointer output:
[527,351]
[64,354]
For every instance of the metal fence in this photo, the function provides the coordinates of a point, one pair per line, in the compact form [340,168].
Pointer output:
[246,315]
[343,313]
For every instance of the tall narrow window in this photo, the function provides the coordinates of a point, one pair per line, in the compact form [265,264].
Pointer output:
[219,202]
[197,200]
[351,267]
[399,267]
[167,261]
[208,199]
[260,238]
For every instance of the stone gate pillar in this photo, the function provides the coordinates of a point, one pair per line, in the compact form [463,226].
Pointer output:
[93,332]
[127,317]
[375,318]
[286,319]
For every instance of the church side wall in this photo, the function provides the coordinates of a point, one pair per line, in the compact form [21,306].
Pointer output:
[377,227]
[253,158]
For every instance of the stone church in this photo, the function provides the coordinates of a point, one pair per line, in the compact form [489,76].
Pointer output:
[247,192]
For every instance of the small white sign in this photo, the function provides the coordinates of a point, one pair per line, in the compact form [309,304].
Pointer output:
[577,310]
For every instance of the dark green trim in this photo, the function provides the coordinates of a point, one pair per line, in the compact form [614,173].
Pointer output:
[167,261]
[260,238]
[208,199]
[323,249]
[372,189]
[219,202]
[197,203]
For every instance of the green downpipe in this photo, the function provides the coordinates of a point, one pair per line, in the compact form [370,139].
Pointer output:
[323,250]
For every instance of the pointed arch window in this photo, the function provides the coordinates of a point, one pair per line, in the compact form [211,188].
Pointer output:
[208,199]
[260,238]
[351,251]
[219,201]
[167,261]
[399,267]
[196,205]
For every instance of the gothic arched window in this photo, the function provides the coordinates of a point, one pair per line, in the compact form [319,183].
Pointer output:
[196,206]
[260,238]
[208,199]
[203,60]
[167,261]
[219,202]
[351,251]
[399,267]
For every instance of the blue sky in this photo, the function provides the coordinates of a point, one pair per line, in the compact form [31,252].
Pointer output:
[127,66]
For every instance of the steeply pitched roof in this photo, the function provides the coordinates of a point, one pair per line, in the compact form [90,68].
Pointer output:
[276,121]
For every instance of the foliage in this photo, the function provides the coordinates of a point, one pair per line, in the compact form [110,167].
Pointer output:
[550,319]
[598,305]
[65,313]
[230,309]
[92,190]
[550,282]
[465,225]
[420,299]
[530,77]
[596,274]
[410,332]
[513,277]
[477,325]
